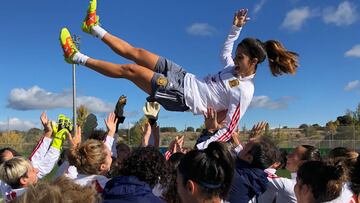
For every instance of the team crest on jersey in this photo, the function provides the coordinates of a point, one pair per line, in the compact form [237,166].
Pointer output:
[234,83]
[161,81]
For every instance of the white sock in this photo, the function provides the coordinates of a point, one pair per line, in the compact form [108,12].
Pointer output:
[80,58]
[98,31]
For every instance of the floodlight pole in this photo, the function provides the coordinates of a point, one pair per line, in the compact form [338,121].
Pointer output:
[76,39]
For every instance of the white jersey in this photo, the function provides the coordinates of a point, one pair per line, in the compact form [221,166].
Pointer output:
[43,158]
[221,91]
[98,181]
[284,187]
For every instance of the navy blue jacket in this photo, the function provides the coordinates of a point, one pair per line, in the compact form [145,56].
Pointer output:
[128,189]
[247,182]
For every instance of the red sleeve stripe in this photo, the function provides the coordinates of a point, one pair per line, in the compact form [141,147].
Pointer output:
[167,155]
[354,199]
[234,120]
[36,148]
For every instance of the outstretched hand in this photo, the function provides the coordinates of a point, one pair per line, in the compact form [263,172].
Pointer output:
[240,17]
[46,123]
[256,129]
[211,119]
[76,140]
[110,123]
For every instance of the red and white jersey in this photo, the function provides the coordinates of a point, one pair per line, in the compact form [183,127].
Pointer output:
[346,196]
[284,187]
[13,193]
[98,181]
[221,91]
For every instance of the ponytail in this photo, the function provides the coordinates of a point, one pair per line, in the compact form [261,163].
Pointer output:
[280,60]
[325,180]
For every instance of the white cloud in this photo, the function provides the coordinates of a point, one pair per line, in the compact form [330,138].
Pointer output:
[344,14]
[201,29]
[259,6]
[355,51]
[296,18]
[266,103]
[16,124]
[352,85]
[38,98]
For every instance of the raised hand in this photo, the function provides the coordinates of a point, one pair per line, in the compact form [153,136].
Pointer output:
[210,119]
[235,137]
[240,17]
[76,140]
[46,123]
[256,129]
[146,130]
[110,123]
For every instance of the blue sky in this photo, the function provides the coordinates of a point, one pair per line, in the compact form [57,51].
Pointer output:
[326,35]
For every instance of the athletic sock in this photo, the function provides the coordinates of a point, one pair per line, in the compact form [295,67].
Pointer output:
[80,58]
[98,31]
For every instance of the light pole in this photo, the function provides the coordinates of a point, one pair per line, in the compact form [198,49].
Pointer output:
[76,39]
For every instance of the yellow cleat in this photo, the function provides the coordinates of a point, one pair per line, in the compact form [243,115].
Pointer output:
[68,45]
[91,18]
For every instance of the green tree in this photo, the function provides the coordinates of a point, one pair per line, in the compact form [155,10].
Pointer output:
[345,120]
[190,129]
[136,132]
[331,127]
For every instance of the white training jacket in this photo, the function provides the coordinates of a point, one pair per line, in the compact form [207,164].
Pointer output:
[221,91]
[43,158]
[284,187]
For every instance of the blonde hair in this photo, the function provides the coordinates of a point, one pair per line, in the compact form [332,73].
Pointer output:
[88,157]
[13,169]
[61,190]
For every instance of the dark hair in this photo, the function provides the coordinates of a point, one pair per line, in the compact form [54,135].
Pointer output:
[171,195]
[147,164]
[264,153]
[355,177]
[312,153]
[325,180]
[280,60]
[123,147]
[283,158]
[13,151]
[212,169]
[98,135]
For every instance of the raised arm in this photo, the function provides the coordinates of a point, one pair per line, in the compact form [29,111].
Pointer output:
[240,18]
[111,125]
[43,145]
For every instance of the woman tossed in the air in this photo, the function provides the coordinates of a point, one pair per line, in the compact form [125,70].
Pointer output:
[229,92]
